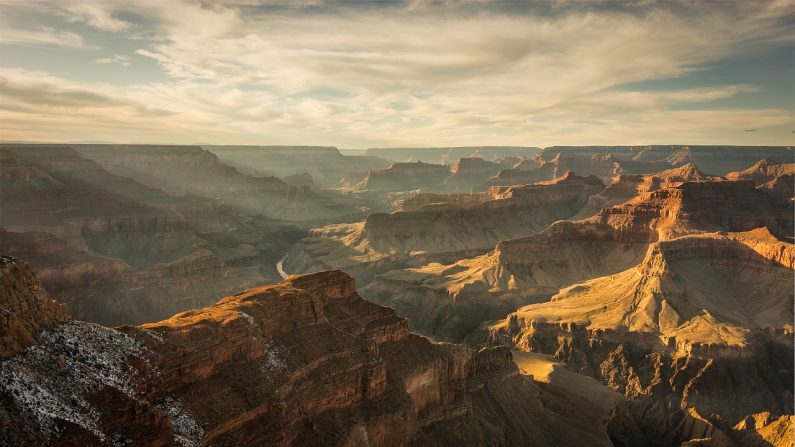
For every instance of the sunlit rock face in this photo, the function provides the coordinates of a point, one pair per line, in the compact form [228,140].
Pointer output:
[448,228]
[305,361]
[450,300]
[698,335]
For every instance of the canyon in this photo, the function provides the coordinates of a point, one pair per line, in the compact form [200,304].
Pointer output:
[273,295]
[305,361]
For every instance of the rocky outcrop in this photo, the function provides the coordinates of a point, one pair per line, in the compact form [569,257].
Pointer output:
[443,231]
[697,337]
[763,171]
[306,361]
[405,177]
[628,186]
[26,308]
[603,166]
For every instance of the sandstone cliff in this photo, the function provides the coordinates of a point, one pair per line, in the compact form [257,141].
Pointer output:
[304,362]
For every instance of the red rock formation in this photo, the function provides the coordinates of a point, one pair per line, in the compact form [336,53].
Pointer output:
[763,171]
[698,337]
[306,361]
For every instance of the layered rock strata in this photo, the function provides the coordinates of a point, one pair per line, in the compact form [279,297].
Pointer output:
[303,362]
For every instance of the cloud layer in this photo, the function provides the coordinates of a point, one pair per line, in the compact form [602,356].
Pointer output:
[415,73]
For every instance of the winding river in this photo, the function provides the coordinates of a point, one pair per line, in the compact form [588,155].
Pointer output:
[280,269]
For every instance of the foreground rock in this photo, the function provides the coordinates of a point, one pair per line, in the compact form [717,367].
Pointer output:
[698,337]
[440,227]
[303,362]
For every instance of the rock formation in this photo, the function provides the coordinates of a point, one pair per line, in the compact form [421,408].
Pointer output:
[458,225]
[26,308]
[763,171]
[303,362]
[405,177]
[450,300]
[697,336]
[628,186]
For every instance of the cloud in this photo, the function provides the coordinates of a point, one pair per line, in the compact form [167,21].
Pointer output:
[122,60]
[95,16]
[41,37]
[419,73]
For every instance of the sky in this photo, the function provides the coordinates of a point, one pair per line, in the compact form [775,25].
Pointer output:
[414,73]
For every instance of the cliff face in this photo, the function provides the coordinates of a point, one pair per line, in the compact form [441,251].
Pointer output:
[405,177]
[628,186]
[698,337]
[442,231]
[175,169]
[603,166]
[306,361]
[763,171]
[26,308]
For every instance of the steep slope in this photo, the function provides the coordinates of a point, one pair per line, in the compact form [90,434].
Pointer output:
[628,186]
[175,169]
[441,230]
[763,171]
[303,362]
[698,337]
[449,301]
[405,177]
[26,308]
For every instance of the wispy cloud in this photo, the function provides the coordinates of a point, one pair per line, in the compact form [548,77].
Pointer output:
[122,60]
[429,72]
[94,15]
[41,37]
